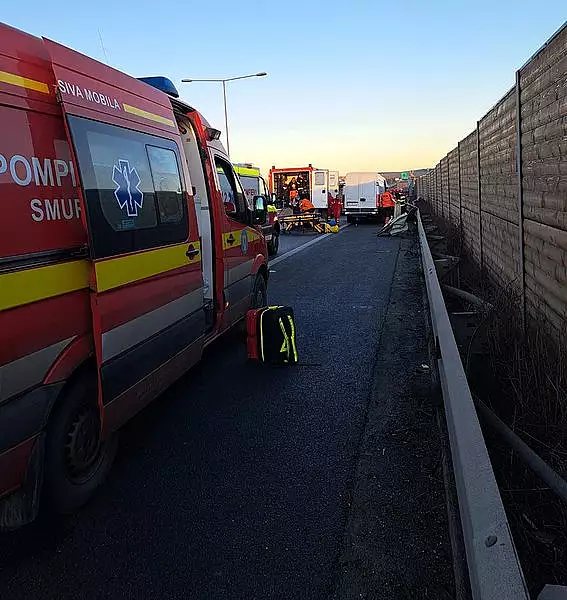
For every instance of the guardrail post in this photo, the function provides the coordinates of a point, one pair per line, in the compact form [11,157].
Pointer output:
[520,200]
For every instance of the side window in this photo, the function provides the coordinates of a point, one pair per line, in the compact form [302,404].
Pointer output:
[132,187]
[319,178]
[167,184]
[227,190]
[231,190]
[123,180]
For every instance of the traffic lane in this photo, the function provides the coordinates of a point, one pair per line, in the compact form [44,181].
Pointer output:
[234,483]
[290,241]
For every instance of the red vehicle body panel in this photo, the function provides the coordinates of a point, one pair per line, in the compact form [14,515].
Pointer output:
[65,305]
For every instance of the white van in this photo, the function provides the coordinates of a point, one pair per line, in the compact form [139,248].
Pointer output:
[363,195]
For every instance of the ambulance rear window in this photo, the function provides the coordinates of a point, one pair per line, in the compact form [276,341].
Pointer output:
[319,178]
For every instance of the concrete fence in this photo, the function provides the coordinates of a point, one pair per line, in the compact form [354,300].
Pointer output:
[505,187]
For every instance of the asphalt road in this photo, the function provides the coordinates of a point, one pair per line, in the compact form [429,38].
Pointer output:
[241,481]
[290,241]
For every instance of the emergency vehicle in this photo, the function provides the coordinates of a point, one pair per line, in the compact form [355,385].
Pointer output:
[127,245]
[255,185]
[290,186]
[364,196]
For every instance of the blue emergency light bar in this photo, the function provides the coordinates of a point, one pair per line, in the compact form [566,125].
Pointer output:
[161,83]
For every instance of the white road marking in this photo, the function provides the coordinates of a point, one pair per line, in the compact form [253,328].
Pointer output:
[295,251]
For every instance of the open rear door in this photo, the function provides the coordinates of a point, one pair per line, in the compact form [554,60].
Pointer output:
[146,282]
[319,188]
[334,183]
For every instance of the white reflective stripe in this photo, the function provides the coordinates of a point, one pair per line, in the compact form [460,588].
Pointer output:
[30,370]
[240,272]
[137,330]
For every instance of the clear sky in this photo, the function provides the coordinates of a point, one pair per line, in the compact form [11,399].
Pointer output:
[359,85]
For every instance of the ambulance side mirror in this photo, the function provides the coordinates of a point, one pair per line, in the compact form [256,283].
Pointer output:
[260,209]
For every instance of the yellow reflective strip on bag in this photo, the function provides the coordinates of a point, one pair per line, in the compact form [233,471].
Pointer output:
[285,345]
[293,337]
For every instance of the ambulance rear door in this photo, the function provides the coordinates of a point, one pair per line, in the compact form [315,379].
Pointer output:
[146,282]
[334,183]
[319,180]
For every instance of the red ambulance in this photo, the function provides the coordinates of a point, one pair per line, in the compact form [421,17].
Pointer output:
[291,185]
[126,246]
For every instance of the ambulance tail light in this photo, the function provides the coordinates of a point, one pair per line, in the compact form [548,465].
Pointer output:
[378,201]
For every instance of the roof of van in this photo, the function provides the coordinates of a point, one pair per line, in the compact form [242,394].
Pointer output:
[365,173]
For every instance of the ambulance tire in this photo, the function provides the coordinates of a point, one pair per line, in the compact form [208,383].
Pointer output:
[259,298]
[77,461]
[259,293]
[350,219]
[274,244]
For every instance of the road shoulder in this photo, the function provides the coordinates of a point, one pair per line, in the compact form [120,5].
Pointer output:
[396,542]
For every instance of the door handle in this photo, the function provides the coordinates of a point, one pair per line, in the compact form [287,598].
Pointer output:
[191,252]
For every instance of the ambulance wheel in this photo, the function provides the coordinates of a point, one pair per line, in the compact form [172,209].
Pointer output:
[77,459]
[274,244]
[260,293]
[350,219]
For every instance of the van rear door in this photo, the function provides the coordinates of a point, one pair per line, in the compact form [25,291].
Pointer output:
[366,199]
[334,183]
[146,282]
[319,180]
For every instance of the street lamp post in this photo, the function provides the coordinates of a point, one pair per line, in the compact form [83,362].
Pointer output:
[224,82]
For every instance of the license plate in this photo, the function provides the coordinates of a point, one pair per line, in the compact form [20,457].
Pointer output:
[269,237]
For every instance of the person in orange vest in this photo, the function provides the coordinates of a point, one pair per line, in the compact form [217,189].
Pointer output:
[387,199]
[388,202]
[305,205]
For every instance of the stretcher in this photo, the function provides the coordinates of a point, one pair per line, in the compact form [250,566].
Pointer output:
[311,221]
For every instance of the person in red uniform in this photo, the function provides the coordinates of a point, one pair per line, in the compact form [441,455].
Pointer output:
[335,207]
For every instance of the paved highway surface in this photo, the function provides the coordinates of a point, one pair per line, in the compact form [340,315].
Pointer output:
[246,482]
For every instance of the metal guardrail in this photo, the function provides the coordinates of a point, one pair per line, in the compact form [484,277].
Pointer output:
[494,569]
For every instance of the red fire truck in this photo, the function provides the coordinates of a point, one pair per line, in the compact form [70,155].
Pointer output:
[126,246]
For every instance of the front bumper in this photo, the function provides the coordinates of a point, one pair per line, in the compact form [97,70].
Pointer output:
[362,211]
